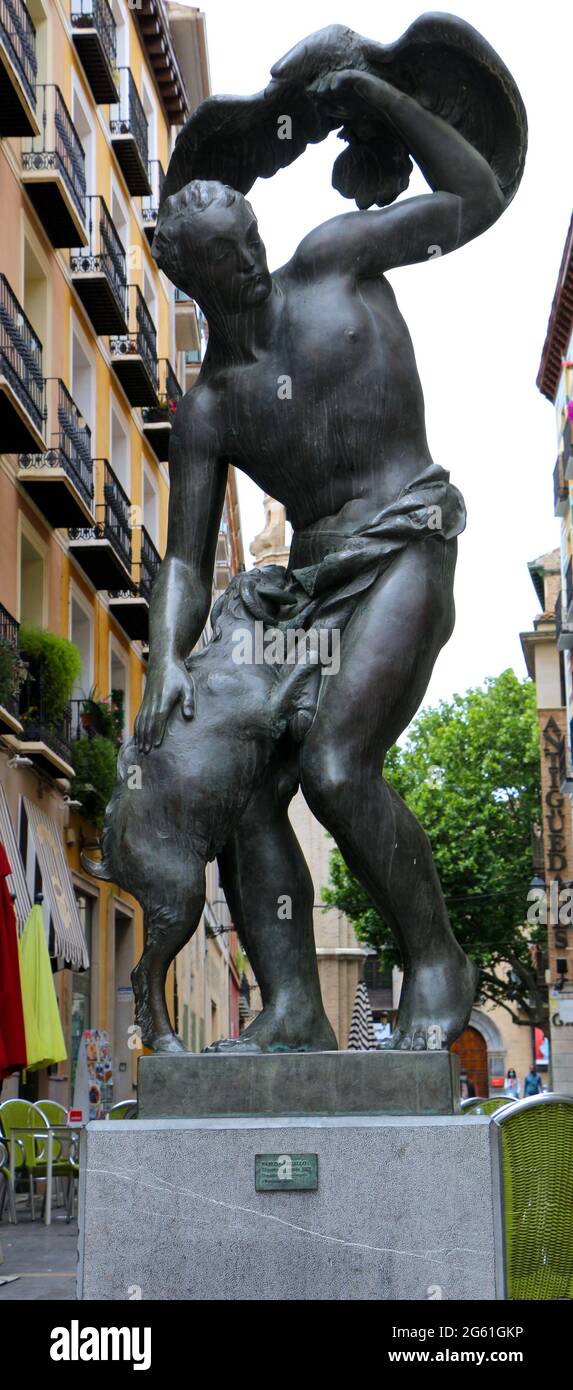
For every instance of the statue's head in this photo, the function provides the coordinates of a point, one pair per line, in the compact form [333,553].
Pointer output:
[207,242]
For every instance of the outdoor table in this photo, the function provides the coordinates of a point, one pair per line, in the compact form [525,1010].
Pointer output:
[46,1136]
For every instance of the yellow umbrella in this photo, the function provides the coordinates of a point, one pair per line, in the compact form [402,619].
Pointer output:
[44,1037]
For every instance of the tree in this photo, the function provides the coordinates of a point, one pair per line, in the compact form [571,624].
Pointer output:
[470,772]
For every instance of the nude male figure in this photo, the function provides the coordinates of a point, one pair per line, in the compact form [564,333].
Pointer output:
[344,446]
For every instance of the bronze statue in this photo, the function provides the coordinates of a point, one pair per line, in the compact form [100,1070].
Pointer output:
[310,386]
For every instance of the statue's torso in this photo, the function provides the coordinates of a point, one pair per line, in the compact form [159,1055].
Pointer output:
[331,413]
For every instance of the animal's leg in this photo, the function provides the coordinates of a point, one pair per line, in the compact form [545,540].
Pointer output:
[168,926]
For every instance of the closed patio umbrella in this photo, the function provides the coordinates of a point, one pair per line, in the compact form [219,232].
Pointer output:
[44,1037]
[12,1033]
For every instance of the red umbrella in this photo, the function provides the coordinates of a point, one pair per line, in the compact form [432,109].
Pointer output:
[12,1035]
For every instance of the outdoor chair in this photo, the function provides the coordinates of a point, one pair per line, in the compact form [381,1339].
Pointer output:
[482,1105]
[532,1142]
[123,1110]
[31,1153]
[6,1185]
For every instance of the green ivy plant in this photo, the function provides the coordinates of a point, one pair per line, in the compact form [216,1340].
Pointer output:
[61,663]
[94,761]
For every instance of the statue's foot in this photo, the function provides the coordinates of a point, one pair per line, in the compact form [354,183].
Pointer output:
[435,1006]
[283,1030]
[166,1042]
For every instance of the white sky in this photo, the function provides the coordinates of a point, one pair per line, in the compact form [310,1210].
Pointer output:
[477,318]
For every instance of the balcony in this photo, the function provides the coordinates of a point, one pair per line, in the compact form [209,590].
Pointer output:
[46,743]
[98,271]
[60,481]
[563,629]
[134,354]
[187,336]
[129,136]
[560,489]
[150,205]
[21,379]
[132,609]
[53,171]
[568,451]
[158,419]
[18,68]
[565,772]
[94,36]
[568,606]
[10,674]
[103,551]
[192,368]
[222,575]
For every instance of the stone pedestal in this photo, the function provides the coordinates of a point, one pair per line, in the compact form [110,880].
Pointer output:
[191,1086]
[402,1210]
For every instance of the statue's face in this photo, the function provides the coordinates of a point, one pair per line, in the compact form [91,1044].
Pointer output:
[229,261]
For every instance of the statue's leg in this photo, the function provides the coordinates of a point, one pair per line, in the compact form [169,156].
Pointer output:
[387,654]
[169,924]
[270,894]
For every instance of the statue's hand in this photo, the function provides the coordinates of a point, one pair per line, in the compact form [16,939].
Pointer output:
[338,93]
[167,685]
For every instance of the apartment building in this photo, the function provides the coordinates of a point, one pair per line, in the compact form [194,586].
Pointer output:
[95,352]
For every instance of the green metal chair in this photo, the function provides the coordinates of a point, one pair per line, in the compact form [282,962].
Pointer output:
[532,1142]
[124,1110]
[31,1161]
[484,1105]
[6,1186]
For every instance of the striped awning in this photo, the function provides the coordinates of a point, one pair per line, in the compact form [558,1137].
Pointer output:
[17,879]
[58,888]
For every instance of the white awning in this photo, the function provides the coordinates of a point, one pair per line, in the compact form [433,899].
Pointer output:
[58,887]
[17,879]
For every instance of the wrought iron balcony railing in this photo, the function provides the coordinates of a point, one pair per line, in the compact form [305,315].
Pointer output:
[560,489]
[128,124]
[9,629]
[58,146]
[149,563]
[170,393]
[140,342]
[19,38]
[69,442]
[150,205]
[105,255]
[21,356]
[33,713]
[96,15]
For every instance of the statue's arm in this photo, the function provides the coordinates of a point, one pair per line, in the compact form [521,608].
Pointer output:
[182,590]
[466,199]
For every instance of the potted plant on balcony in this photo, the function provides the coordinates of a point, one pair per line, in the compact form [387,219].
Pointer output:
[54,665]
[102,717]
[13,672]
[94,761]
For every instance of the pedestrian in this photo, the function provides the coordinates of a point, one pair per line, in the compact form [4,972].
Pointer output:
[467,1088]
[511,1087]
[533,1082]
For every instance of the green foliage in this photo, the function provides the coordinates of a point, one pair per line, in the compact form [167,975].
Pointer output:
[8,659]
[61,662]
[94,761]
[470,772]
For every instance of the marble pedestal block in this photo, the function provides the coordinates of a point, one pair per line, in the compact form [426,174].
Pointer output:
[403,1210]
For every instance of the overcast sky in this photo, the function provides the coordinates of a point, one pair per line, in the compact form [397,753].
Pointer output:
[477,317]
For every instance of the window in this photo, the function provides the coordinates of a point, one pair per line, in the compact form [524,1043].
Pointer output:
[150,109]
[81,634]
[150,297]
[119,450]
[84,127]
[35,298]
[32,587]
[119,687]
[83,379]
[150,507]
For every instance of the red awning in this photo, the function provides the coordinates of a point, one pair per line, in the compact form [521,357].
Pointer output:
[12,1035]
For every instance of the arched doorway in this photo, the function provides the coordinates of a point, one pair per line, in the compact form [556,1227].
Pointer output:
[471,1049]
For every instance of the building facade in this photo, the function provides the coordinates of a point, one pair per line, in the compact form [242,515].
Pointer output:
[95,351]
[551,649]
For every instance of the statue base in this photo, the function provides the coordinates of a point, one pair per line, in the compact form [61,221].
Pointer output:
[355,1207]
[193,1086]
